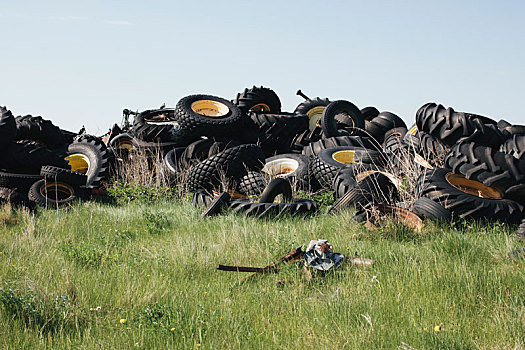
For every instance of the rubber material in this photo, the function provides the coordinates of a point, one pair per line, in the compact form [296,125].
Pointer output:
[292,167]
[428,209]
[315,148]
[51,194]
[467,206]
[39,130]
[63,175]
[28,157]
[229,165]
[488,166]
[375,188]
[300,207]
[253,183]
[369,113]
[217,205]
[276,187]
[99,159]
[22,182]
[198,124]
[263,99]
[7,126]
[347,112]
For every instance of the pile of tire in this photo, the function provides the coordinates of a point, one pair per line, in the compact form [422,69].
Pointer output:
[43,165]
[243,154]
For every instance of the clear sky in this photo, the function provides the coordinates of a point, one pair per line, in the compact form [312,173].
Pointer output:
[82,62]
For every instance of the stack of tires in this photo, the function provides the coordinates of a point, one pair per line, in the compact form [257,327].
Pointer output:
[482,176]
[45,166]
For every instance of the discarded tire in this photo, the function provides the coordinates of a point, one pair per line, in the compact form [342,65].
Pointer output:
[217,205]
[227,166]
[63,175]
[313,109]
[375,188]
[253,183]
[28,157]
[89,155]
[7,126]
[258,99]
[300,207]
[488,166]
[292,167]
[469,199]
[429,209]
[206,115]
[277,187]
[345,110]
[52,194]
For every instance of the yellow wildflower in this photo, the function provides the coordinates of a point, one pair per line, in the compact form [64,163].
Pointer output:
[122,320]
[172,329]
[438,327]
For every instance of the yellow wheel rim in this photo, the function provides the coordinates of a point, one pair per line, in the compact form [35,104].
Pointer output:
[314,116]
[125,144]
[57,190]
[78,162]
[209,108]
[344,157]
[261,107]
[472,187]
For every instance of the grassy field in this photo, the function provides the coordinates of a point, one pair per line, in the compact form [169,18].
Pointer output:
[143,275]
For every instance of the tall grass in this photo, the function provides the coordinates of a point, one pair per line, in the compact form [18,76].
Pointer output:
[142,275]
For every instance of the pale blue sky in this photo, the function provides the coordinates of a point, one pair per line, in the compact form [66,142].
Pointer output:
[82,62]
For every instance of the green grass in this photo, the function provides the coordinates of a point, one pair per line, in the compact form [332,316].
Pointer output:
[68,278]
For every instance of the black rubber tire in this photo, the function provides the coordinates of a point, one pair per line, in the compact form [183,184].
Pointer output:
[343,181]
[305,138]
[488,166]
[314,148]
[63,175]
[253,183]
[45,194]
[194,123]
[514,130]
[274,188]
[195,152]
[122,145]
[232,164]
[13,196]
[221,146]
[171,166]
[445,124]
[277,131]
[40,130]
[384,122]
[431,148]
[502,124]
[515,146]
[313,110]
[201,199]
[22,182]
[394,139]
[156,125]
[369,113]
[28,157]
[350,114]
[485,134]
[300,207]
[429,209]
[324,167]
[296,169]
[217,205]
[99,158]
[467,206]
[258,99]
[375,188]
[7,126]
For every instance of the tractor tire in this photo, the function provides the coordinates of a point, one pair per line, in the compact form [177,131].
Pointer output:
[258,99]
[52,194]
[40,130]
[469,199]
[313,109]
[89,155]
[343,111]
